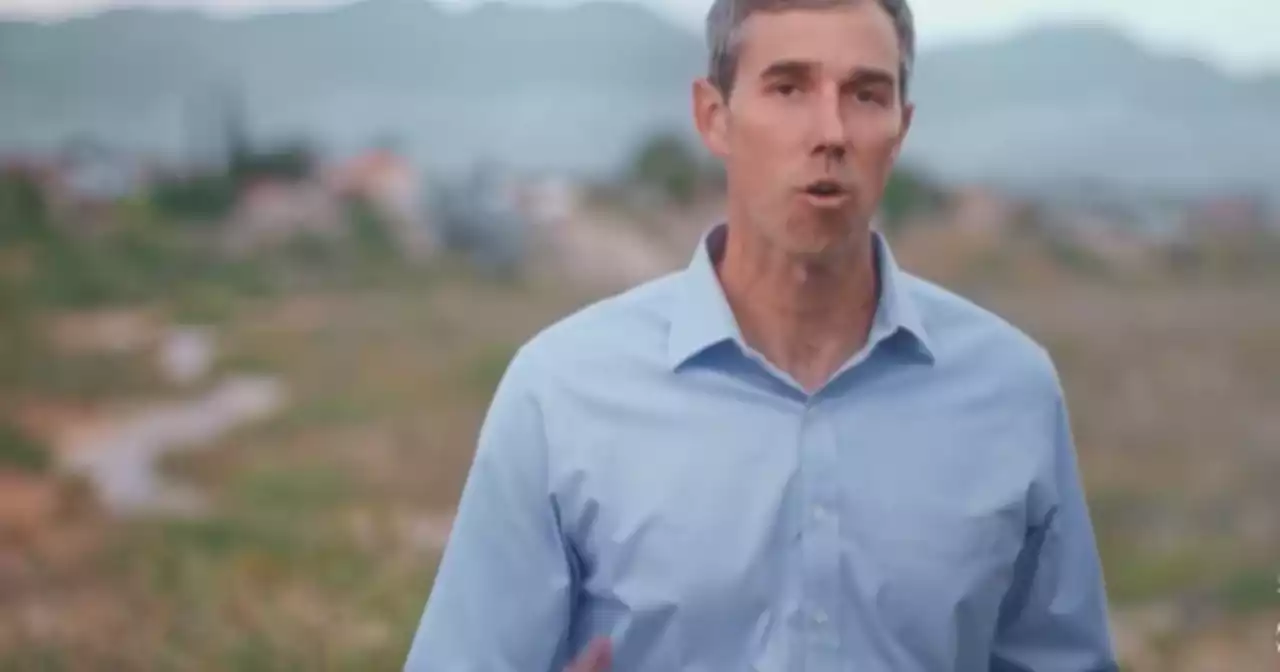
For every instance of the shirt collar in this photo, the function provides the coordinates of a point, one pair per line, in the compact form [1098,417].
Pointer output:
[701,317]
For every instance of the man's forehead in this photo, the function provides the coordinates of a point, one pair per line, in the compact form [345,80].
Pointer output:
[845,37]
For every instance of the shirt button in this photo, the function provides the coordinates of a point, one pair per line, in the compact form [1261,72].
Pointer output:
[820,617]
[821,514]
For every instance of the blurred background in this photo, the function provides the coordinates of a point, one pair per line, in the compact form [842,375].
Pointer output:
[262,264]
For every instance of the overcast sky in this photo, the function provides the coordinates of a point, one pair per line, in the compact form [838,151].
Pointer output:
[1239,35]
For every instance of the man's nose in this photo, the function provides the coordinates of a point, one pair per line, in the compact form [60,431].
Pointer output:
[831,137]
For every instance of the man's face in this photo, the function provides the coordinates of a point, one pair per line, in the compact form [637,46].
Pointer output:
[813,125]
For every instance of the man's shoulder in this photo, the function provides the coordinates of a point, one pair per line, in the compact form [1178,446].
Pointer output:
[963,330]
[632,321]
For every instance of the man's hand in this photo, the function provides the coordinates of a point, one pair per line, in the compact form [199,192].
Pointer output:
[597,657]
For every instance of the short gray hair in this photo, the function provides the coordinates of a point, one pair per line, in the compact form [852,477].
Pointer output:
[725,18]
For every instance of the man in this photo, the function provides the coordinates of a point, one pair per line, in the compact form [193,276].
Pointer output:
[792,455]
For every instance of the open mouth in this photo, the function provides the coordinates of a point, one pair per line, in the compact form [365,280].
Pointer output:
[826,189]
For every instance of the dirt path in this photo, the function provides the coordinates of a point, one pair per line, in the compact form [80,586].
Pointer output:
[121,459]
[120,454]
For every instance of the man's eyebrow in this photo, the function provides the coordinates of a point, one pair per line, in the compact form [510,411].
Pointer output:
[865,75]
[787,69]
[862,75]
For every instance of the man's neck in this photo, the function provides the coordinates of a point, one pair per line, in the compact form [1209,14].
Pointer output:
[808,316]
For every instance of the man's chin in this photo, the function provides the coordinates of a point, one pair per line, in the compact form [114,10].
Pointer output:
[817,251]
[821,234]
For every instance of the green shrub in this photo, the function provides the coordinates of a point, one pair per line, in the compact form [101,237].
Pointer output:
[21,452]
[1251,590]
[206,197]
[370,232]
[906,193]
[23,212]
[670,165]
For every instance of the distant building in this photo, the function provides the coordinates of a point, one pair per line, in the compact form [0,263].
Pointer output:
[272,211]
[1229,217]
[549,201]
[84,175]
[42,173]
[91,174]
[481,218]
[982,212]
[392,185]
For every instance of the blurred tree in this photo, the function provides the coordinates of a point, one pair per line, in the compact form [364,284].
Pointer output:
[477,221]
[201,197]
[907,193]
[211,194]
[669,165]
[20,452]
[289,161]
[235,125]
[370,232]
[23,211]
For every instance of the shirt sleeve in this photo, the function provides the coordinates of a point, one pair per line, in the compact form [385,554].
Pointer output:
[502,595]
[1055,618]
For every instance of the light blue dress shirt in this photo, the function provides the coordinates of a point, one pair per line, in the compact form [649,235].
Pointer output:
[644,474]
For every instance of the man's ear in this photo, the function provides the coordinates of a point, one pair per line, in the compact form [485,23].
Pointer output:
[908,113]
[710,115]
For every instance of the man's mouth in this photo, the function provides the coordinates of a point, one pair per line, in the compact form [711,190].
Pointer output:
[825,189]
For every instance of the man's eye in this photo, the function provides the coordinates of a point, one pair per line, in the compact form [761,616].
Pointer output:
[786,89]
[868,96]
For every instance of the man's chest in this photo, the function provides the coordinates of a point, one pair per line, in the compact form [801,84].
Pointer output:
[825,522]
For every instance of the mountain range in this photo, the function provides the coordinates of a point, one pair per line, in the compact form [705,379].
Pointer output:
[578,88]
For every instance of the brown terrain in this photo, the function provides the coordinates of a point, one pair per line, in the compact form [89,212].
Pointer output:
[271,491]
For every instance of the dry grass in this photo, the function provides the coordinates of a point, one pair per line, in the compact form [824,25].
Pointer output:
[327,521]
[1173,391]
[326,524]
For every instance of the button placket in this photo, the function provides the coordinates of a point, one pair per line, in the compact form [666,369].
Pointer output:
[821,542]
